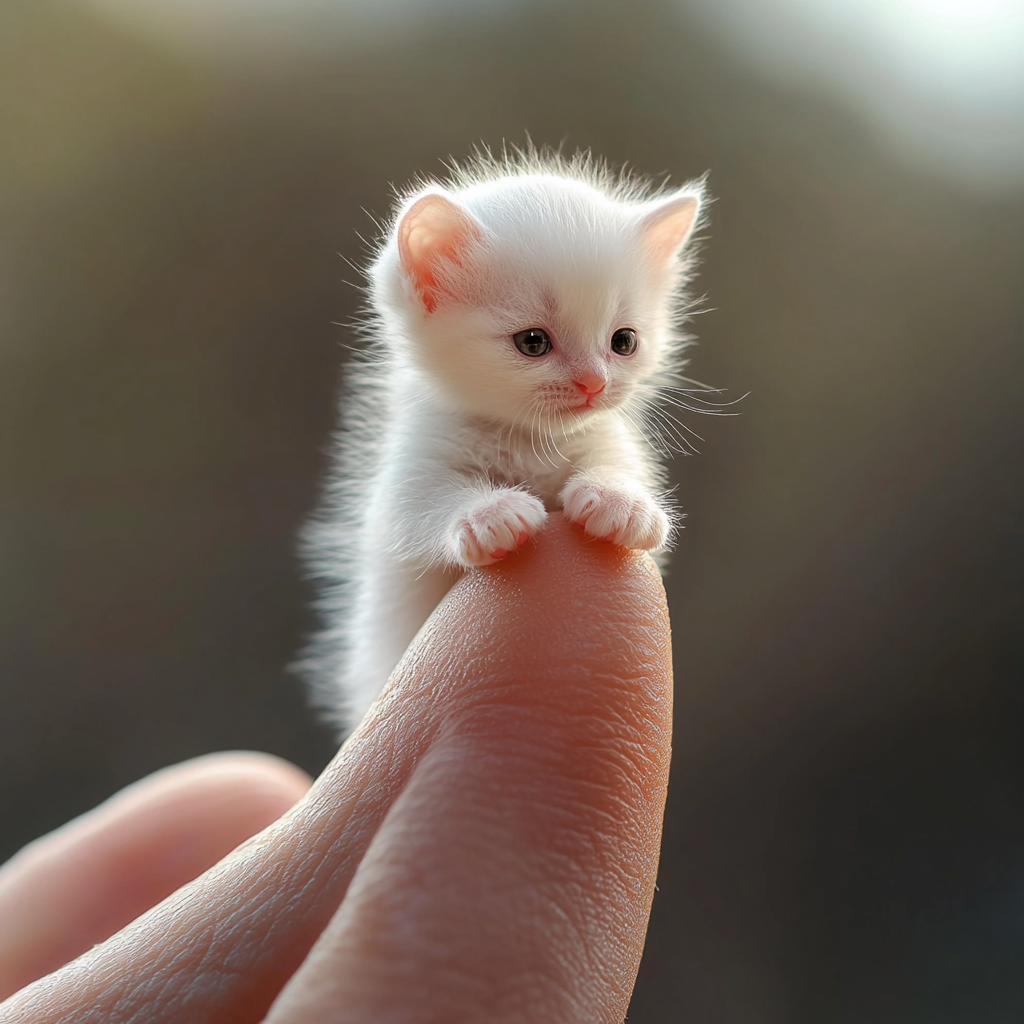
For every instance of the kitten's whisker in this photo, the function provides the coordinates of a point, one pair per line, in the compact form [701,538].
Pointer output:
[545,431]
[548,438]
[680,404]
[657,436]
[676,428]
[649,435]
[541,435]
[655,409]
[506,432]
[689,391]
[678,422]
[696,383]
[670,395]
[671,427]
[533,444]
[523,411]
[554,443]
[692,395]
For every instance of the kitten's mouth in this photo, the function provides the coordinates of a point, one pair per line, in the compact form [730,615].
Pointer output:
[589,403]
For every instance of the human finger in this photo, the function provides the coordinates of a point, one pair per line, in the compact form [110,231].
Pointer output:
[223,947]
[75,887]
[511,880]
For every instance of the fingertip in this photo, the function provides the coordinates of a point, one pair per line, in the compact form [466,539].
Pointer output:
[568,605]
[513,876]
[76,886]
[258,778]
[568,565]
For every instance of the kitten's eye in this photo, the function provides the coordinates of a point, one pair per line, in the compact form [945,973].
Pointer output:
[533,342]
[624,341]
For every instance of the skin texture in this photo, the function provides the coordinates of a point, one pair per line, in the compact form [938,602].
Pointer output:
[484,847]
[77,886]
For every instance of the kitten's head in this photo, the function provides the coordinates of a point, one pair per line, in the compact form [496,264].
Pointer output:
[536,295]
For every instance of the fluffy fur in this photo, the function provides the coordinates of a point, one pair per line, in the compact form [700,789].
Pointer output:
[456,445]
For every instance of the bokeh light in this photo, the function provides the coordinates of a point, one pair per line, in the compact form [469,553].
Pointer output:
[941,81]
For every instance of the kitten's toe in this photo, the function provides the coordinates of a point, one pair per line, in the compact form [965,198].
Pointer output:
[647,529]
[631,519]
[498,527]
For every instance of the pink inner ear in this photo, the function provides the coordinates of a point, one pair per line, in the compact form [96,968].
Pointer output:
[434,230]
[669,226]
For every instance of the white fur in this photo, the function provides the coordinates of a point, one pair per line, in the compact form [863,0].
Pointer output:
[456,446]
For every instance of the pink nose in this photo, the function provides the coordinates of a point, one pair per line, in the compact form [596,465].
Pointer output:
[590,383]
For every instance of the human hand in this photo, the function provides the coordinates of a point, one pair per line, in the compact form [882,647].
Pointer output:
[483,848]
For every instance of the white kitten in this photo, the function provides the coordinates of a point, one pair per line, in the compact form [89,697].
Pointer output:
[525,316]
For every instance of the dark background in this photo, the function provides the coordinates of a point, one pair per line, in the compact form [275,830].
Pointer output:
[845,830]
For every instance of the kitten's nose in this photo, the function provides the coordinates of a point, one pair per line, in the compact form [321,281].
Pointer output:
[590,383]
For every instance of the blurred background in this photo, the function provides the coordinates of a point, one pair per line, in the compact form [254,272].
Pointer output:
[181,185]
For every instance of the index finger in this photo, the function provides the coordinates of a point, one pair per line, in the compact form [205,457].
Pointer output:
[547,680]
[512,878]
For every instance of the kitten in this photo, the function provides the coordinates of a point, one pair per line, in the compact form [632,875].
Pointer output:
[525,317]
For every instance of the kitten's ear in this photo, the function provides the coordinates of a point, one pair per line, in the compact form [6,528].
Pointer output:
[668,223]
[434,231]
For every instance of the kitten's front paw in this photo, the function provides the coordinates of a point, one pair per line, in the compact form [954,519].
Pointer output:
[503,522]
[629,518]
